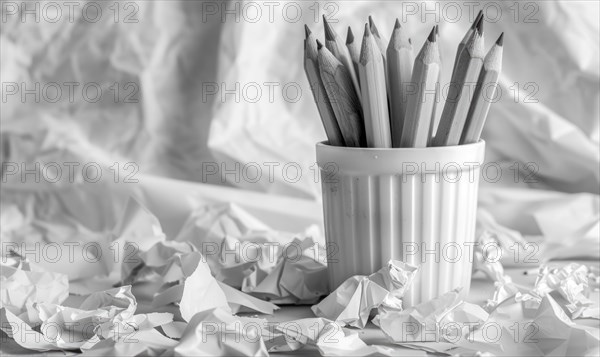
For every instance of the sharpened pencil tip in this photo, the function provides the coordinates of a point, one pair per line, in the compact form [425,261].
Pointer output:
[367,31]
[437,31]
[329,33]
[397,25]
[374,29]
[477,18]
[319,45]
[480,26]
[431,37]
[307,31]
[350,36]
[410,41]
[500,41]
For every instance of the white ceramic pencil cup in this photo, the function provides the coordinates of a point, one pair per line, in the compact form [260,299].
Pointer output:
[417,205]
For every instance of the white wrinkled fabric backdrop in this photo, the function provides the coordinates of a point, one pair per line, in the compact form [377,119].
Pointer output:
[177,53]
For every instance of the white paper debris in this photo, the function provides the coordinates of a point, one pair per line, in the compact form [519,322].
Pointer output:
[245,253]
[20,289]
[101,316]
[570,287]
[218,333]
[352,302]
[428,321]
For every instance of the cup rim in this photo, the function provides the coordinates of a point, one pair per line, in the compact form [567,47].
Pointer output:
[325,144]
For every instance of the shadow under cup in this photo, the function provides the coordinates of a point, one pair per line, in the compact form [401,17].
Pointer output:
[417,205]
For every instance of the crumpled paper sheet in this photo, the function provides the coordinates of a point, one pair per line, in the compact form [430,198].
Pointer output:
[353,301]
[558,335]
[20,289]
[244,252]
[101,316]
[183,272]
[218,333]
[570,286]
[427,321]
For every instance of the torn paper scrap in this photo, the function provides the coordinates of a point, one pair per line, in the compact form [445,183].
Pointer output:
[218,333]
[201,292]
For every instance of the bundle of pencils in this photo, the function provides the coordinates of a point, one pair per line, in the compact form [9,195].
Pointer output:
[373,95]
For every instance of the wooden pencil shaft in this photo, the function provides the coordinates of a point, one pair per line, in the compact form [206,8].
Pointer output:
[437,93]
[460,94]
[400,60]
[468,34]
[337,47]
[374,96]
[343,98]
[421,103]
[382,46]
[354,52]
[311,68]
[485,94]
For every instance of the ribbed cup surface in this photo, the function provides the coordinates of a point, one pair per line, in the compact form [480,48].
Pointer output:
[414,205]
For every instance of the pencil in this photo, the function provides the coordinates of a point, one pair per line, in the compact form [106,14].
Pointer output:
[482,98]
[338,48]
[382,45]
[417,127]
[374,98]
[342,96]
[311,68]
[353,50]
[459,97]
[437,89]
[379,38]
[400,60]
[461,45]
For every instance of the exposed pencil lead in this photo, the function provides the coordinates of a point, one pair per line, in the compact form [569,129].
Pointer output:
[500,41]
[329,33]
[319,45]
[477,18]
[370,21]
[397,24]
[410,41]
[480,26]
[307,31]
[367,30]
[431,37]
[437,31]
[350,36]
